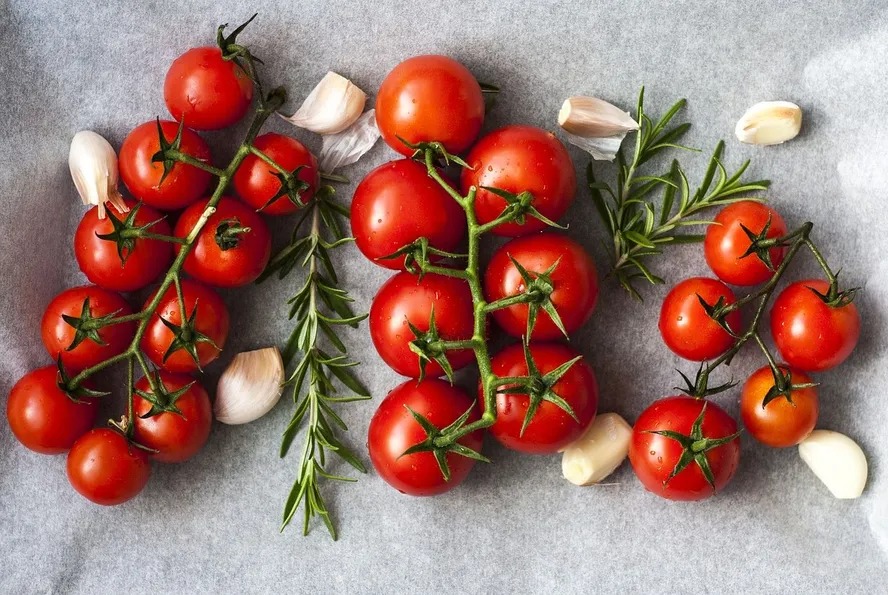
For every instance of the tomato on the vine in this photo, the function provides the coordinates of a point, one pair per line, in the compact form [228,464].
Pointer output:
[256,182]
[726,243]
[106,469]
[178,424]
[782,421]
[686,327]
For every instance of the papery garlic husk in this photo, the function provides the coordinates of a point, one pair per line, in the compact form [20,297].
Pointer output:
[598,452]
[331,107]
[250,386]
[769,123]
[348,146]
[93,165]
[596,126]
[837,461]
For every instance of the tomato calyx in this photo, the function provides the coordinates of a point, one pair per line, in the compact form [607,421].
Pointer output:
[761,244]
[169,152]
[75,392]
[834,297]
[291,187]
[699,388]
[228,233]
[538,291]
[519,207]
[160,398]
[719,312]
[233,51]
[416,256]
[434,438]
[186,336]
[429,346]
[429,151]
[126,232]
[783,386]
[86,326]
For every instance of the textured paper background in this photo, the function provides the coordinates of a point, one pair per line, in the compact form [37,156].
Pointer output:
[211,525]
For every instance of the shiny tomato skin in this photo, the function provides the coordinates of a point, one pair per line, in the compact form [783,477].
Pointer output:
[575,281]
[515,159]
[183,185]
[398,203]
[430,98]
[393,430]
[653,457]
[551,428]
[206,91]
[42,417]
[176,438]
[809,334]
[685,326]
[726,243]
[256,182]
[779,423]
[106,469]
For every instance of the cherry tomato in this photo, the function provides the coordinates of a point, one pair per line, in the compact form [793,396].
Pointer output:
[685,326]
[206,91]
[42,417]
[184,183]
[574,283]
[175,436]
[781,422]
[726,243]
[100,261]
[551,427]
[430,98]
[810,334]
[256,182]
[106,469]
[393,430]
[518,159]
[398,203]
[654,456]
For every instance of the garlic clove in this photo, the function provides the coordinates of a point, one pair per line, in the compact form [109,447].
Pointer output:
[598,452]
[331,107]
[346,147]
[93,165]
[596,126]
[250,386]
[837,461]
[769,123]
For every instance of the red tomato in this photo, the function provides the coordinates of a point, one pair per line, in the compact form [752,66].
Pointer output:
[685,326]
[256,182]
[58,335]
[219,257]
[42,417]
[574,282]
[518,159]
[654,456]
[726,243]
[183,185]
[100,262]
[393,430]
[430,98]
[551,428]
[398,203]
[780,423]
[106,469]
[175,436]
[810,334]
[206,91]
[211,321]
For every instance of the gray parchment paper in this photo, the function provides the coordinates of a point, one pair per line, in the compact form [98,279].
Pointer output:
[211,525]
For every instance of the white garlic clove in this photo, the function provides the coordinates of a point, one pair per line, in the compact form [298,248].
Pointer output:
[596,126]
[598,452]
[93,165]
[250,386]
[769,123]
[331,107]
[837,461]
[346,147]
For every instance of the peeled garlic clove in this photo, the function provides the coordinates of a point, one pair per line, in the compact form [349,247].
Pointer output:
[331,107]
[769,123]
[93,165]
[837,461]
[598,452]
[250,386]
[596,126]
[346,147]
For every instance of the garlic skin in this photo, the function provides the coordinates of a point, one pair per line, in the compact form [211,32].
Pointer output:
[331,107]
[598,452]
[769,123]
[250,386]
[596,126]
[837,461]
[346,147]
[93,165]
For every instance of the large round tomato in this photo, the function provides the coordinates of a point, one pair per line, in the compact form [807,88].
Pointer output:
[574,283]
[726,243]
[518,159]
[184,183]
[205,90]
[810,334]
[429,98]
[256,182]
[654,457]
[398,203]
[93,345]
[106,469]
[222,256]
[42,417]
[685,326]
[175,436]
[782,422]
[143,259]
[551,427]
[393,430]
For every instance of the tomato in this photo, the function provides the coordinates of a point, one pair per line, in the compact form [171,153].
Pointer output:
[518,159]
[810,334]
[393,430]
[93,345]
[574,283]
[210,322]
[256,182]
[206,91]
[430,98]
[726,243]
[685,326]
[551,428]
[106,469]
[99,260]
[42,417]
[781,422]
[398,203]
[219,256]
[184,183]
[175,436]
[654,457]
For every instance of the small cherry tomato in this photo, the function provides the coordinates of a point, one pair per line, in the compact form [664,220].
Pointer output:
[726,243]
[256,182]
[106,469]
[783,421]
[685,326]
